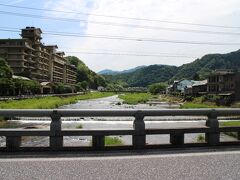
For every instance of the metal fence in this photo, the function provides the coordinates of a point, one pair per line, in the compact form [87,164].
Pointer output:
[138,132]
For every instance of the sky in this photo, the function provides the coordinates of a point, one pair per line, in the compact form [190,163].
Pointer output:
[168,20]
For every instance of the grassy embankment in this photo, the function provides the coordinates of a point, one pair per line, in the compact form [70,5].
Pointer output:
[199,103]
[170,99]
[113,141]
[230,123]
[50,102]
[194,104]
[45,103]
[6,124]
[135,98]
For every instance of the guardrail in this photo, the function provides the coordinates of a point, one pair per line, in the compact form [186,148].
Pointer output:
[138,133]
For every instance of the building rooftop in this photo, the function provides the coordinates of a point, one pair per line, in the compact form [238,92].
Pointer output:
[199,83]
[32,28]
[20,77]
[222,72]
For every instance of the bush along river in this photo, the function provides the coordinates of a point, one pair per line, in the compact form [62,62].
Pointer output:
[112,102]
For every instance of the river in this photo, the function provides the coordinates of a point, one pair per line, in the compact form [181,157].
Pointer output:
[112,102]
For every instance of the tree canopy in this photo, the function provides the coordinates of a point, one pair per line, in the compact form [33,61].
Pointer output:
[157,88]
[5,70]
[84,74]
[197,70]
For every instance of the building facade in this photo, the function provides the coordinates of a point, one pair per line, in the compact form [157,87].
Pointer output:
[29,57]
[225,83]
[197,88]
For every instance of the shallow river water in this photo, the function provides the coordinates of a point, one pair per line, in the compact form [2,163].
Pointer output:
[111,123]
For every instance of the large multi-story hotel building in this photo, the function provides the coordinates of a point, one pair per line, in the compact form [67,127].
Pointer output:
[31,58]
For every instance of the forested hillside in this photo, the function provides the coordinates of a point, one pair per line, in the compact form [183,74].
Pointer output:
[163,73]
[207,63]
[86,76]
[145,76]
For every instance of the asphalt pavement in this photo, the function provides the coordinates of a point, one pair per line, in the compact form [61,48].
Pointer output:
[202,165]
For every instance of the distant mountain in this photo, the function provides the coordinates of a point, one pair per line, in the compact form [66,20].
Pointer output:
[163,73]
[144,76]
[108,72]
[111,72]
[208,63]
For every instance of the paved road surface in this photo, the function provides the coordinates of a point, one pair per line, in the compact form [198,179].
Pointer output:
[206,165]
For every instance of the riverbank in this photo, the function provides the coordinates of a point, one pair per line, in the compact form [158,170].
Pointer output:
[195,103]
[88,123]
[50,102]
[230,124]
[135,98]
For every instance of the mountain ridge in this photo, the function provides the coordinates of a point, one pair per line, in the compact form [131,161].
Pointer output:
[200,68]
[112,72]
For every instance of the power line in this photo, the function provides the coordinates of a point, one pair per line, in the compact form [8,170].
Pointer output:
[120,24]
[143,39]
[132,38]
[121,17]
[125,51]
[127,54]
[122,53]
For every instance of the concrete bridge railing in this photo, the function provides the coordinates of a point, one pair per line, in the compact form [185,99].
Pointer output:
[139,132]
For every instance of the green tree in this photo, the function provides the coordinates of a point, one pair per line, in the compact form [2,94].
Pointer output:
[84,74]
[196,77]
[5,70]
[157,88]
[84,85]
[26,86]
[6,83]
[114,87]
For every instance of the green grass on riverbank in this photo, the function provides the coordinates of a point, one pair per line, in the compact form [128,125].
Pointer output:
[113,141]
[5,124]
[198,102]
[193,105]
[135,98]
[169,98]
[50,102]
[230,123]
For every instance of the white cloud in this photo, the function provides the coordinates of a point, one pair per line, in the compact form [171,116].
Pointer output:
[198,11]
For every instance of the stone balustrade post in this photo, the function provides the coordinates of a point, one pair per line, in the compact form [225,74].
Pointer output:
[98,142]
[13,143]
[56,140]
[177,139]
[139,139]
[213,138]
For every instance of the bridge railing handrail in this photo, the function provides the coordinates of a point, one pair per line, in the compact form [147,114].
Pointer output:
[118,112]
[138,133]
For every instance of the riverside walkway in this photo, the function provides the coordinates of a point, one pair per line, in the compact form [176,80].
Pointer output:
[202,165]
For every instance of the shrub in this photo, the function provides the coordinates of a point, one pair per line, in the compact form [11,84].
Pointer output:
[188,98]
[26,86]
[200,138]
[219,100]
[113,141]
[79,126]
[60,88]
[157,88]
